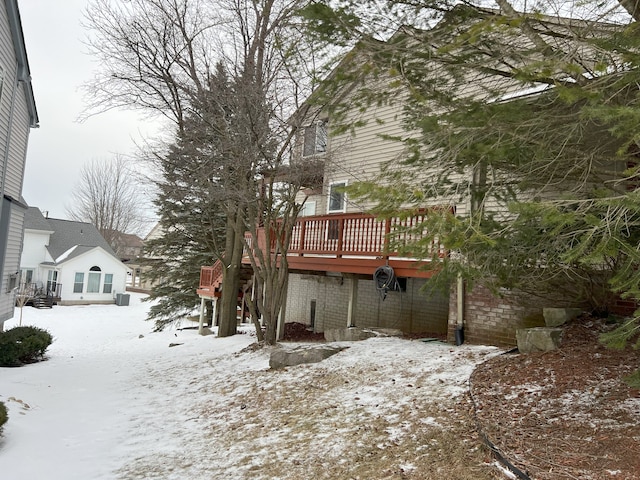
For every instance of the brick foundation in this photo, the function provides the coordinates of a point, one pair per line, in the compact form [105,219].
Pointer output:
[493,320]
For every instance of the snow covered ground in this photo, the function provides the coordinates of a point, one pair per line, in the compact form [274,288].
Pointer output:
[115,401]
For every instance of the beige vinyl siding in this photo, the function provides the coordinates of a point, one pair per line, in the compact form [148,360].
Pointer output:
[358,155]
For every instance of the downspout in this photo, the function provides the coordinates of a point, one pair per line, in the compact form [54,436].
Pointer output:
[460,311]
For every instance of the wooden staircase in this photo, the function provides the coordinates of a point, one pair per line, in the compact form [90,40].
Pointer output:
[40,301]
[211,279]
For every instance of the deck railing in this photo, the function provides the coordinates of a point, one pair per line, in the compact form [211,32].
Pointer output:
[352,235]
[210,277]
[355,234]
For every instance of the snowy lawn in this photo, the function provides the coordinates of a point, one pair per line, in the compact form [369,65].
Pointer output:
[115,401]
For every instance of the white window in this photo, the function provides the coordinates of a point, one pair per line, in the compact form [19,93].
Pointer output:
[78,282]
[52,280]
[337,197]
[108,283]
[315,139]
[26,276]
[308,209]
[93,282]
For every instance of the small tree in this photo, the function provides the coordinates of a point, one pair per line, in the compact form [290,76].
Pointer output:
[24,294]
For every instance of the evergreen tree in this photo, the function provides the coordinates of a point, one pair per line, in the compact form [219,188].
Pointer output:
[526,120]
[191,220]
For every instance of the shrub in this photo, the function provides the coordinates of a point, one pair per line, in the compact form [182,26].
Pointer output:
[4,416]
[23,345]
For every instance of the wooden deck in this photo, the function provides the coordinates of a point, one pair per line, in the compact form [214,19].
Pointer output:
[355,243]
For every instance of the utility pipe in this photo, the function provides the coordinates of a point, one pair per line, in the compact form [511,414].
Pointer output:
[459,333]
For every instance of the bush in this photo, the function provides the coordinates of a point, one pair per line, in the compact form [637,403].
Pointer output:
[4,416]
[23,345]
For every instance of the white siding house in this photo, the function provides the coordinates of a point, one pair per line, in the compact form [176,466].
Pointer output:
[17,115]
[70,261]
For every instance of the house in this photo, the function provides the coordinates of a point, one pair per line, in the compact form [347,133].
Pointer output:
[18,115]
[127,246]
[70,262]
[138,280]
[342,271]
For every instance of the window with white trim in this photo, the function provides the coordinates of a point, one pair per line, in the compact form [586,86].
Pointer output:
[308,209]
[78,282]
[108,283]
[93,282]
[52,280]
[315,139]
[337,201]
[26,276]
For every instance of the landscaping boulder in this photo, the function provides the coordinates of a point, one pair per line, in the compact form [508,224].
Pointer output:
[352,334]
[554,317]
[539,339]
[283,357]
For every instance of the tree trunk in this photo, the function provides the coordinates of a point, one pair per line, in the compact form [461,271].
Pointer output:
[229,301]
[231,276]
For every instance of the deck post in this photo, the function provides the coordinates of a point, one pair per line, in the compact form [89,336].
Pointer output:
[201,324]
[353,301]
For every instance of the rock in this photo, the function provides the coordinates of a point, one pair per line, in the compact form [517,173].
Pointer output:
[353,334]
[539,339]
[174,344]
[283,357]
[206,331]
[554,317]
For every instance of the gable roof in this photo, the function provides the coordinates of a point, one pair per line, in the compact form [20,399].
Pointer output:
[127,239]
[69,233]
[34,220]
[66,236]
[79,250]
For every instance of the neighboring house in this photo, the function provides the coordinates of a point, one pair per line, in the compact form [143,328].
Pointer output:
[127,246]
[337,256]
[17,116]
[138,281]
[70,261]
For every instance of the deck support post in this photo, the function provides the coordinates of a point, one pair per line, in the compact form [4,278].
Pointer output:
[353,301]
[201,324]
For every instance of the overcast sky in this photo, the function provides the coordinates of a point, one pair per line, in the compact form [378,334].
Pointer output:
[59,66]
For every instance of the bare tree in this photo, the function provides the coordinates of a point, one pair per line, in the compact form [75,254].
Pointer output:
[158,55]
[24,294]
[107,196]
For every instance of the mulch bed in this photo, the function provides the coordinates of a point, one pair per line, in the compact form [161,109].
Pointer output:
[564,414]
[299,332]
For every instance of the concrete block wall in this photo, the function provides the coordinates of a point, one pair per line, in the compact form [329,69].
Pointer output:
[412,311]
